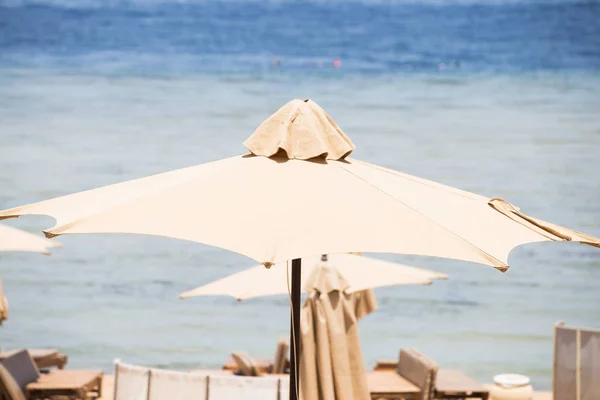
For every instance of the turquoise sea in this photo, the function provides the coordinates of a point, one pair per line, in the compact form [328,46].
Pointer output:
[498,98]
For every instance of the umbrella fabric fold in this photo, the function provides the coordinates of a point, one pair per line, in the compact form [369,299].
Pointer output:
[331,362]
[364,303]
[302,130]
[547,229]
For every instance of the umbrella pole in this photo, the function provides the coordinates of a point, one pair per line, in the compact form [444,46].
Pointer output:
[295,330]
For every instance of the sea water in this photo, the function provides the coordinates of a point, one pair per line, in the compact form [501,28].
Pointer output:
[498,98]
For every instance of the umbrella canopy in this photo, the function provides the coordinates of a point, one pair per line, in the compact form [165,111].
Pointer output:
[331,361]
[12,239]
[360,273]
[271,204]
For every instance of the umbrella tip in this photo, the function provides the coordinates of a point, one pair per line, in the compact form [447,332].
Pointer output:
[49,235]
[300,130]
[502,268]
[267,264]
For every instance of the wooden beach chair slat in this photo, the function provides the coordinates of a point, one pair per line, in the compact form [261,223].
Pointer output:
[455,384]
[419,370]
[390,385]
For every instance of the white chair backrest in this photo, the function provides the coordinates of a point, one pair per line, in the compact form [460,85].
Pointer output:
[284,387]
[177,385]
[239,387]
[131,382]
[140,383]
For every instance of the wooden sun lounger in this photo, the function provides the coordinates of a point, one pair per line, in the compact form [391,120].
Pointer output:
[71,384]
[43,358]
[279,365]
[455,384]
[391,363]
[387,384]
[263,365]
[446,384]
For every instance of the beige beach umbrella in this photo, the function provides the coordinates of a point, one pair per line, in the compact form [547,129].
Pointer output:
[331,361]
[360,272]
[12,239]
[271,205]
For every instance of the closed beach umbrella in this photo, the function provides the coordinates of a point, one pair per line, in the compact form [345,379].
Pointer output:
[12,239]
[360,272]
[271,204]
[331,362]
